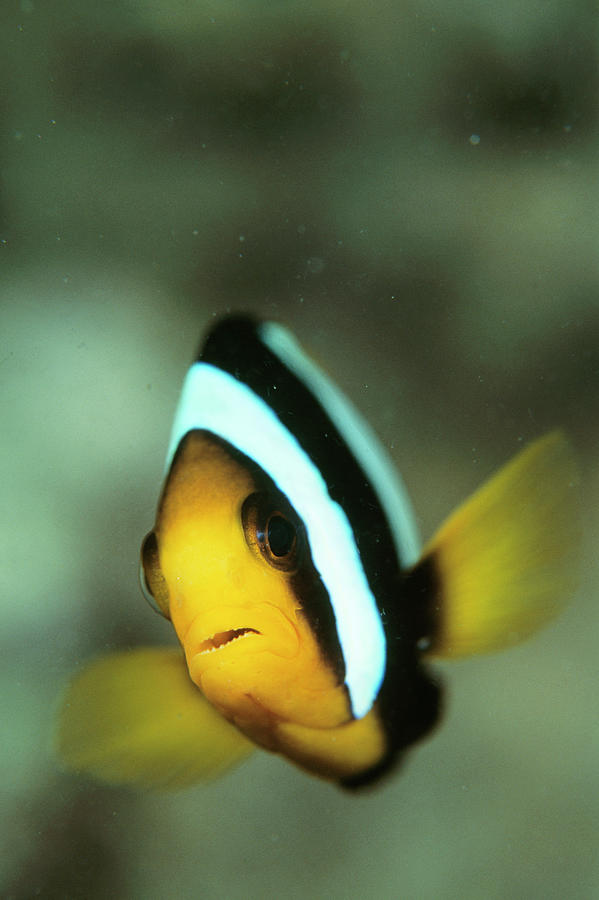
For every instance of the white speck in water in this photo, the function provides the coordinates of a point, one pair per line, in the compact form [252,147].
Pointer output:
[474,139]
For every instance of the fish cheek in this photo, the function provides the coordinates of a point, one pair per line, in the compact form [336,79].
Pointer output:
[277,538]
[307,685]
[314,608]
[278,673]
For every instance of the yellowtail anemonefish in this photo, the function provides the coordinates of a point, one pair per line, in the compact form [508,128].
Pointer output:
[286,556]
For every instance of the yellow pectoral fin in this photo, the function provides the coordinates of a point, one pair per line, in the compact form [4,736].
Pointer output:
[506,561]
[136,718]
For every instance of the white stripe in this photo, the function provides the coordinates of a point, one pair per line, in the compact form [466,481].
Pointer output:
[357,434]
[214,400]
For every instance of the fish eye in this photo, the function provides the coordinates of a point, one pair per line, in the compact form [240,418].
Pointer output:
[280,535]
[273,530]
[151,579]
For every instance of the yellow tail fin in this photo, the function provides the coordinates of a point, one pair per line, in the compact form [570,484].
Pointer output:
[506,560]
[136,718]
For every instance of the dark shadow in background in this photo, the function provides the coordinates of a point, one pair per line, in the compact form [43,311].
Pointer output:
[526,103]
[247,95]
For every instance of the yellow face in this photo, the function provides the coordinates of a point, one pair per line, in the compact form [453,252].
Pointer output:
[229,565]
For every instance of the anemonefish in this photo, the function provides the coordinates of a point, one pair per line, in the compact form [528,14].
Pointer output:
[286,557]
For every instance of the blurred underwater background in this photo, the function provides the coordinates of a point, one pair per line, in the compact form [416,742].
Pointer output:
[413,188]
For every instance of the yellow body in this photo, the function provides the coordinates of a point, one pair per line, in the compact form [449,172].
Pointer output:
[272,682]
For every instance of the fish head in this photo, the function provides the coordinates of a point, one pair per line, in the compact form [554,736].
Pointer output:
[228,562]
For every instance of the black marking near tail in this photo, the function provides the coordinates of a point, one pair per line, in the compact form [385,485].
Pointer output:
[422,584]
[411,699]
[404,724]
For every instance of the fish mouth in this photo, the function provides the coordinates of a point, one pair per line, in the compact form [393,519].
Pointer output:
[222,639]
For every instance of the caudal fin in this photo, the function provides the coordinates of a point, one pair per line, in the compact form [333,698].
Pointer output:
[136,718]
[505,562]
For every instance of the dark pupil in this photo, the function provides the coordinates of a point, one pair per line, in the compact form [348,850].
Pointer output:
[281,535]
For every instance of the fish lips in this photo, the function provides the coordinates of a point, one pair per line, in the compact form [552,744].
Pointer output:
[259,628]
